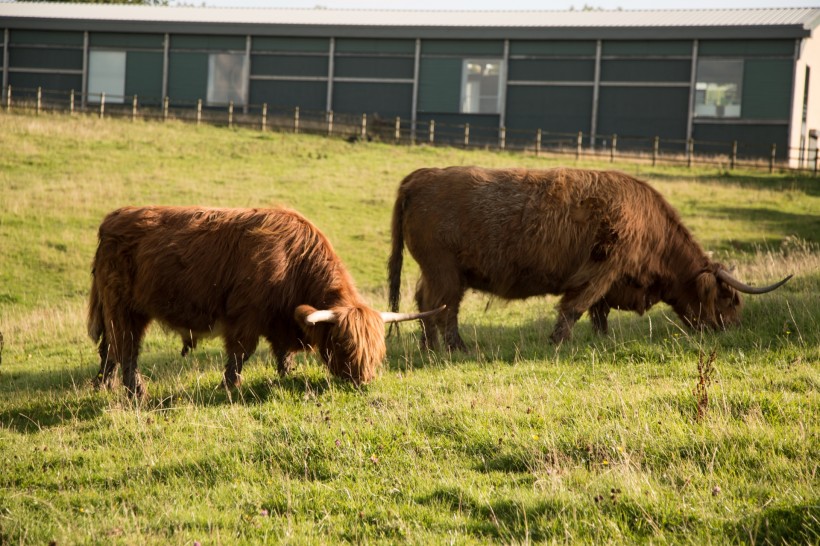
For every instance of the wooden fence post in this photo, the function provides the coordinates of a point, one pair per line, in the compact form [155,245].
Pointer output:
[165,108]
[431,134]
[503,138]
[771,157]
[330,123]
[690,151]
[364,126]
[656,146]
[578,144]
[466,135]
[264,116]
[71,103]
[296,120]
[198,111]
[102,105]
[537,142]
[398,129]
[613,147]
[816,153]
[39,99]
[134,108]
[8,98]
[733,159]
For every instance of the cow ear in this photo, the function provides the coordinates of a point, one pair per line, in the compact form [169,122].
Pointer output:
[301,314]
[309,317]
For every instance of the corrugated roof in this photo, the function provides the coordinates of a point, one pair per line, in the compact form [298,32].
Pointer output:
[771,22]
[805,17]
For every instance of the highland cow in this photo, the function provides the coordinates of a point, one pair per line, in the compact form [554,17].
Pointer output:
[600,239]
[241,274]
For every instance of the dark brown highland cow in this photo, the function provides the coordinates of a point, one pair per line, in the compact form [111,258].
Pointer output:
[602,239]
[236,273]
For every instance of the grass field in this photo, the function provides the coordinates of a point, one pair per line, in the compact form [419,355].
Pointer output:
[616,439]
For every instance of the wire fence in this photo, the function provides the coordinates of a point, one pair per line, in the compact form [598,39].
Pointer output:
[651,150]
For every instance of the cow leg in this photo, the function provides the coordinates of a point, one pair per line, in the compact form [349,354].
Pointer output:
[284,361]
[238,350]
[188,343]
[126,336]
[284,342]
[429,330]
[574,303]
[448,323]
[598,314]
[431,296]
[108,363]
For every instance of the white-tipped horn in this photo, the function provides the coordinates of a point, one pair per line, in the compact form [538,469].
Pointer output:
[400,317]
[323,315]
[724,275]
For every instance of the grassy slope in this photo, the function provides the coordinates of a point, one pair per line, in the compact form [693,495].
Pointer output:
[515,440]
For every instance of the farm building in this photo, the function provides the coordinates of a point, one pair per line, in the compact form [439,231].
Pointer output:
[714,76]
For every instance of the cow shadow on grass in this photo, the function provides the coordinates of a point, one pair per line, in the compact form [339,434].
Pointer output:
[641,338]
[256,391]
[34,416]
[795,524]
[545,520]
[54,397]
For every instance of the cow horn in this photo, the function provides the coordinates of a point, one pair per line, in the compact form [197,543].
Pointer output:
[324,315]
[724,275]
[399,317]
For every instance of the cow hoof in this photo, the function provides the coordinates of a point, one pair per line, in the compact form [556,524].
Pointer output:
[284,368]
[232,382]
[101,383]
[559,337]
[137,392]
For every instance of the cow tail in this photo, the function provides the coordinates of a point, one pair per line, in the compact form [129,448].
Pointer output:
[394,265]
[96,321]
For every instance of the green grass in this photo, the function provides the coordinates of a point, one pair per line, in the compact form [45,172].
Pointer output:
[514,441]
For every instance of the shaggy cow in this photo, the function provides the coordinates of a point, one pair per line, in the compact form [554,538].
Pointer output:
[601,239]
[237,273]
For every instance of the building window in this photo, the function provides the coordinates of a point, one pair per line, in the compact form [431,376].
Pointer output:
[106,74]
[227,78]
[719,88]
[481,86]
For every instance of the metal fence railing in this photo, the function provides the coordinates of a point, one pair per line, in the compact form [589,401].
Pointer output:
[651,150]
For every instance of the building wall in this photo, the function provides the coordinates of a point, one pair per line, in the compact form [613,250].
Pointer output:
[766,97]
[802,146]
[638,89]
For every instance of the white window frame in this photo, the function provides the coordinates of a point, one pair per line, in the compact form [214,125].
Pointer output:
[106,74]
[468,106]
[220,90]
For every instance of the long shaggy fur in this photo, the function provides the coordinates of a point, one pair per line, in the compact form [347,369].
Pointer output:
[237,273]
[602,239]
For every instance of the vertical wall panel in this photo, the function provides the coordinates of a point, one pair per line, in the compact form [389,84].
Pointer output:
[309,96]
[767,88]
[387,100]
[143,76]
[643,111]
[551,109]
[187,77]
[440,85]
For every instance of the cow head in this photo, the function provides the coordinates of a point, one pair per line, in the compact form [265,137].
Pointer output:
[350,339]
[712,299]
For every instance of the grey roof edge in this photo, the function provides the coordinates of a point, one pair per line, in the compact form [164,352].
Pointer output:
[461,32]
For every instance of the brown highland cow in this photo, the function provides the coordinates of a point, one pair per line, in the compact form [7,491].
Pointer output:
[236,273]
[601,239]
